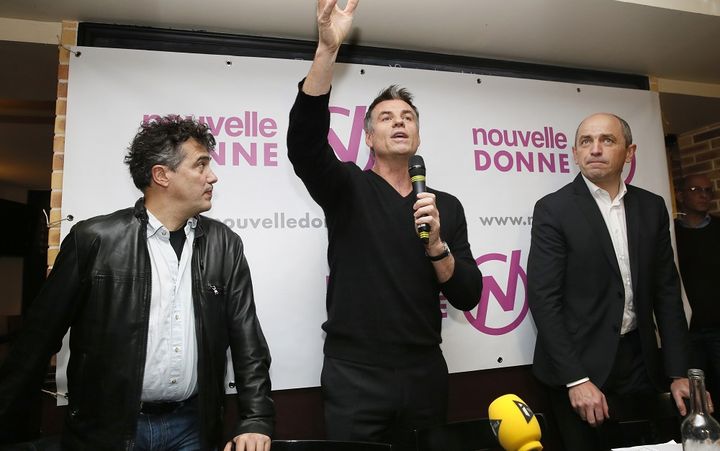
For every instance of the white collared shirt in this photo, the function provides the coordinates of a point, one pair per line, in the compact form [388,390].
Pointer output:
[171,361]
[613,212]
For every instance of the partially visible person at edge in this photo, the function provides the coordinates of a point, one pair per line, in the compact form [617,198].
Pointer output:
[698,244]
[154,295]
[601,280]
[384,373]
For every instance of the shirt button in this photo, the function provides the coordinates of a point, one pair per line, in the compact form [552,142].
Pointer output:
[173,381]
[177,317]
[177,349]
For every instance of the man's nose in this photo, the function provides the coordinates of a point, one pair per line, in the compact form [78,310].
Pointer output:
[596,148]
[212,178]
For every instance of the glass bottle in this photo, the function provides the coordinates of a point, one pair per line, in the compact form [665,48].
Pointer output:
[700,431]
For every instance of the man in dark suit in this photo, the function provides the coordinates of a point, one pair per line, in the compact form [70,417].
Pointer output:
[600,266]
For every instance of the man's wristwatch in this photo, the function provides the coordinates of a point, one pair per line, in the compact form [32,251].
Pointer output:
[443,254]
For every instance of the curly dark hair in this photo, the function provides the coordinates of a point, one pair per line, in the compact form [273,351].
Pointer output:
[160,141]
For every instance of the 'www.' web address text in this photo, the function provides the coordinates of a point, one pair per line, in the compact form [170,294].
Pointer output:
[505,220]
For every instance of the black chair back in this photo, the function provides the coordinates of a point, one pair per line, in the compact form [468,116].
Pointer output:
[50,443]
[468,435]
[641,420]
[327,445]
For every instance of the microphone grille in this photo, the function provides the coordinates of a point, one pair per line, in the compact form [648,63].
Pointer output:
[416,166]
[416,161]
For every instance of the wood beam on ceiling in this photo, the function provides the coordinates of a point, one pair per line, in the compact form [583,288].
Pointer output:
[27,111]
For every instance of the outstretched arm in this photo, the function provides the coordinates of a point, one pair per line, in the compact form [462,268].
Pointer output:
[333,26]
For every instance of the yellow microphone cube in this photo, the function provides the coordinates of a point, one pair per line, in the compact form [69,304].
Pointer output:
[514,424]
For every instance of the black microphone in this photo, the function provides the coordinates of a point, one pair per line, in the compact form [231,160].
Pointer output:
[416,168]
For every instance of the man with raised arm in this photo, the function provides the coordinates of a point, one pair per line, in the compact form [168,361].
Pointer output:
[384,373]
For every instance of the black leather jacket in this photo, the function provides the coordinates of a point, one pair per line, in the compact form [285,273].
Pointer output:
[100,287]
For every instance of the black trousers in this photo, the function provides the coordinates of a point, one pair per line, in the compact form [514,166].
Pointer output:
[705,354]
[380,404]
[628,376]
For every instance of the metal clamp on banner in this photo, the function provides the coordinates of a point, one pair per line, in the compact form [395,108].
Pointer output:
[49,224]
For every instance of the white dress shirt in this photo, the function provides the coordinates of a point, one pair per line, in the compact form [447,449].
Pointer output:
[613,212]
[171,361]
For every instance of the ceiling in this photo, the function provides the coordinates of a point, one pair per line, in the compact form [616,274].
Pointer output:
[592,34]
[604,35]
[682,113]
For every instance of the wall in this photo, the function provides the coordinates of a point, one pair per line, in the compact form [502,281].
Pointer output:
[11,269]
[29,31]
[26,100]
[700,154]
[68,38]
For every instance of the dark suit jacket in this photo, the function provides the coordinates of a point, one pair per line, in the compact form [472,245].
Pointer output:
[577,297]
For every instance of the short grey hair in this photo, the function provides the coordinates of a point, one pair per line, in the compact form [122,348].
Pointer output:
[392,92]
[627,133]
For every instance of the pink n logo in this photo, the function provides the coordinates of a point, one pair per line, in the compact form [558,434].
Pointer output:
[631,171]
[506,299]
[351,151]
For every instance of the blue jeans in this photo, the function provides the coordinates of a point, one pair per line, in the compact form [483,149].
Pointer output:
[174,431]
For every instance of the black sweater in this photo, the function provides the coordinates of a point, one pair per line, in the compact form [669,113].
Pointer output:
[699,258]
[383,293]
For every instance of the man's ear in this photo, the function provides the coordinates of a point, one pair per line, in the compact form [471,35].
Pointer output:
[632,148]
[160,175]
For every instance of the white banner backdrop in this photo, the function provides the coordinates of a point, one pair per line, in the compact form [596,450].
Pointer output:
[496,143]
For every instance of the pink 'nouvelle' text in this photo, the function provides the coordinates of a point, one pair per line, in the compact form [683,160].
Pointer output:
[547,141]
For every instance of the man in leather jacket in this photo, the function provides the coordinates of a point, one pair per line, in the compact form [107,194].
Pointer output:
[154,296]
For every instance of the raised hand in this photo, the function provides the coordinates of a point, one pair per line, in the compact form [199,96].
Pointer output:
[334,23]
[333,26]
